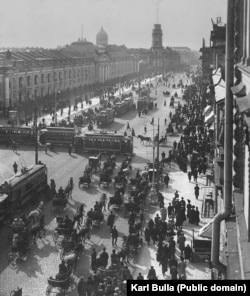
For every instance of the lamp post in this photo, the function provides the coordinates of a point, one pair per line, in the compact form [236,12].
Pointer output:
[36,135]
[56,107]
[153,192]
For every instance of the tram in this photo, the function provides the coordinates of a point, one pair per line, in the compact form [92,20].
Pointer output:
[102,141]
[105,117]
[57,135]
[24,186]
[24,135]
[123,107]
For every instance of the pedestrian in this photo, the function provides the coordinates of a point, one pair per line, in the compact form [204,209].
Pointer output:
[151,274]
[166,180]
[147,235]
[165,104]
[111,220]
[165,121]
[195,175]
[70,149]
[163,214]
[152,120]
[125,134]
[188,253]
[133,132]
[114,234]
[104,258]
[196,191]
[15,166]
[145,129]
[182,269]
[80,286]
[140,277]
[163,155]
[196,216]
[181,241]
[173,267]
[189,176]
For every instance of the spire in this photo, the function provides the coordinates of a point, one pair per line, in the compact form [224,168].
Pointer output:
[157,15]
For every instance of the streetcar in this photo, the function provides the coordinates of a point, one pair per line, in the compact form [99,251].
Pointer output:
[20,134]
[105,117]
[57,135]
[103,141]
[24,186]
[123,107]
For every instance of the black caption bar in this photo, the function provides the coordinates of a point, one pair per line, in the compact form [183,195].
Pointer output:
[134,287]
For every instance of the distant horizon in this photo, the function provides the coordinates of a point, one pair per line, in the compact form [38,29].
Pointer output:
[52,23]
[62,46]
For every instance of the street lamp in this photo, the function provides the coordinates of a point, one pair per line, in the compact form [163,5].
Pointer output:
[56,107]
[154,191]
[36,135]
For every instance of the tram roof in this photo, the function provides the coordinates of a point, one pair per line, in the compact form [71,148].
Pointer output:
[102,134]
[19,177]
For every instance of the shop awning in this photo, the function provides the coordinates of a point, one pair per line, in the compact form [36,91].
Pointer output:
[220,91]
[207,110]
[206,231]
[243,103]
[209,119]
[239,89]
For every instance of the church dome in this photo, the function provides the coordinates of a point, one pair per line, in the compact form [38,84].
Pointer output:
[102,38]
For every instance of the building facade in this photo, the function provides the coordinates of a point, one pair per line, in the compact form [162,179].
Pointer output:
[231,92]
[28,76]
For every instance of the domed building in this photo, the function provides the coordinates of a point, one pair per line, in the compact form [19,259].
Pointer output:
[102,38]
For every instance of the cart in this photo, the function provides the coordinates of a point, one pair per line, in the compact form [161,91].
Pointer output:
[94,162]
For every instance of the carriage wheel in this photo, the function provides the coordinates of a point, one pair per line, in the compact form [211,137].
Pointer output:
[48,290]
[62,255]
[12,257]
[55,237]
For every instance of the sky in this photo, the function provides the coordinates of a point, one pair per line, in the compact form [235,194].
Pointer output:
[52,23]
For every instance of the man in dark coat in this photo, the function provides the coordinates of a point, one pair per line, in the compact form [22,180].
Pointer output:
[104,258]
[166,180]
[196,191]
[111,220]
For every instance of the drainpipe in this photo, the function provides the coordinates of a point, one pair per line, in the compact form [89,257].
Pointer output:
[228,141]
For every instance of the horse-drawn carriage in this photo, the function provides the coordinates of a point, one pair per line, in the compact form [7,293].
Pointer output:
[59,201]
[21,242]
[105,178]
[95,163]
[116,201]
[97,218]
[59,286]
[62,234]
[166,93]
[85,180]
[133,243]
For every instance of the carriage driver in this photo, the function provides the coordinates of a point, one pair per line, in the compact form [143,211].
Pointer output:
[114,257]
[60,191]
[63,271]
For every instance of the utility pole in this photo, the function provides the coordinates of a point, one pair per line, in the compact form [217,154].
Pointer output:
[36,136]
[157,156]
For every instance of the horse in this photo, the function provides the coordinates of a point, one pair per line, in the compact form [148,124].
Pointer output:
[71,259]
[37,228]
[78,217]
[162,140]
[83,232]
[167,160]
[69,188]
[35,214]
[142,138]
